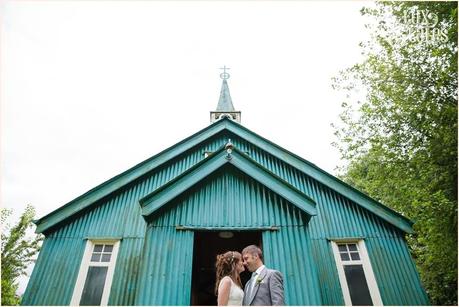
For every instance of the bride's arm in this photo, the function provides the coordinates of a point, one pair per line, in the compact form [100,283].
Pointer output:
[224,291]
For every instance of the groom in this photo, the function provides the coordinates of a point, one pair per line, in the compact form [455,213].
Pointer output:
[266,286]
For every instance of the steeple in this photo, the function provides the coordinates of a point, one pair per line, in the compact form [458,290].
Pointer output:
[225,106]
[225,103]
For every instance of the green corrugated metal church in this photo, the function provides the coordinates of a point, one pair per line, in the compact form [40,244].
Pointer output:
[150,235]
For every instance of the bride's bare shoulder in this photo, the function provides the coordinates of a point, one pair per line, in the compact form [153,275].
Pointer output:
[225,280]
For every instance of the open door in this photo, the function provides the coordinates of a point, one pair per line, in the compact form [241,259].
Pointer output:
[207,245]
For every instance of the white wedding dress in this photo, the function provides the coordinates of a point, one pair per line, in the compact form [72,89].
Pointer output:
[236,294]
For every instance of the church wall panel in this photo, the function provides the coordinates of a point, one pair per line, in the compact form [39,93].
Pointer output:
[165,276]
[289,251]
[327,272]
[54,276]
[395,272]
[127,269]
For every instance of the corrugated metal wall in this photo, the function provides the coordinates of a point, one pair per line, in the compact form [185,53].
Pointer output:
[57,262]
[227,199]
[396,272]
[165,275]
[289,251]
[119,216]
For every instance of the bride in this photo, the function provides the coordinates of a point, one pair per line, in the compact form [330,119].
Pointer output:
[228,287]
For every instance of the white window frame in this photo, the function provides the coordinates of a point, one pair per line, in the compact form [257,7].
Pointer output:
[84,267]
[367,269]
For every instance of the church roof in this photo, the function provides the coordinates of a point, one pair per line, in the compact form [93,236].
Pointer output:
[89,199]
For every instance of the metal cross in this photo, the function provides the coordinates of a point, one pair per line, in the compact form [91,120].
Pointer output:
[224,75]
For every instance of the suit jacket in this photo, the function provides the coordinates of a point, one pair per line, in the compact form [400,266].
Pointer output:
[267,291]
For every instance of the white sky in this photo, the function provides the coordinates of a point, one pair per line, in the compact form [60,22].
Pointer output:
[91,88]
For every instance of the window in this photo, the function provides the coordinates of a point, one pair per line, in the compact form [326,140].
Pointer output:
[96,273]
[355,274]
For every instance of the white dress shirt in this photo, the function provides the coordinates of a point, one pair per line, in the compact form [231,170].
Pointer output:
[258,271]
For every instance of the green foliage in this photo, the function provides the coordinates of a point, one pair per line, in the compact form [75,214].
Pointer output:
[400,141]
[18,251]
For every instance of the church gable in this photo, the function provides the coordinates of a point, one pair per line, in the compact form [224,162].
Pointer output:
[229,198]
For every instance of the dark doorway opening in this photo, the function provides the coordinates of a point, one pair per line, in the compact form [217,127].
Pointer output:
[207,245]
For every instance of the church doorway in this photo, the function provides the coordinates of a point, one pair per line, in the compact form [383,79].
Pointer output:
[207,245]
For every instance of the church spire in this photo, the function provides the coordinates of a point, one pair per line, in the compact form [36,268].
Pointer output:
[225,106]
[225,103]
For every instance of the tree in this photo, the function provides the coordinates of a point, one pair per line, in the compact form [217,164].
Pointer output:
[400,141]
[18,251]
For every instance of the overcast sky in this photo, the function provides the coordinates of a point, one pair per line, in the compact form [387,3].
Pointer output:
[91,88]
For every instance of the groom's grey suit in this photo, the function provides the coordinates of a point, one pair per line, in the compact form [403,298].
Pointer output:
[267,291]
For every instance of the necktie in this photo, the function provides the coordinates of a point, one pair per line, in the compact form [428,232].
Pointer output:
[251,284]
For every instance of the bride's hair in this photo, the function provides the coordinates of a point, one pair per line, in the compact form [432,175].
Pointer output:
[226,266]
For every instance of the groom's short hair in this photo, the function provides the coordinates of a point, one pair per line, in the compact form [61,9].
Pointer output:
[253,250]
